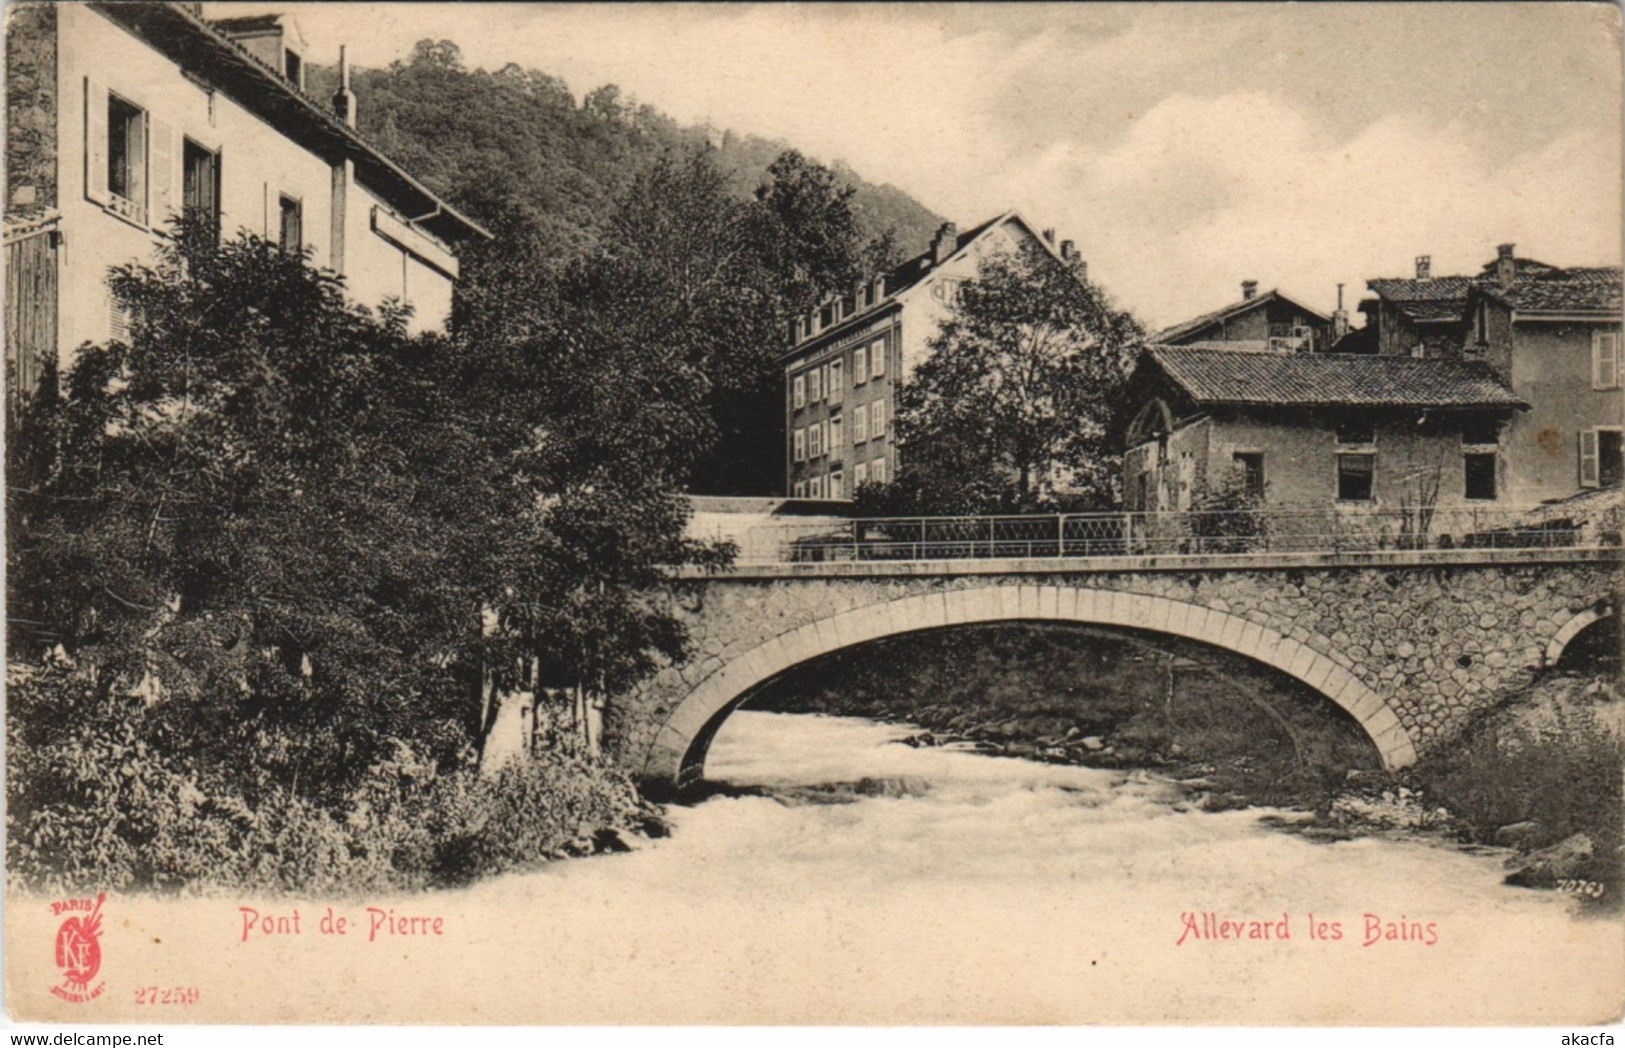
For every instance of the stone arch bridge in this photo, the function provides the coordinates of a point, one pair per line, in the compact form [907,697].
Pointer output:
[1410,643]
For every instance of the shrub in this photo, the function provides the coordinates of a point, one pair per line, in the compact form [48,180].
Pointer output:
[1563,776]
[99,802]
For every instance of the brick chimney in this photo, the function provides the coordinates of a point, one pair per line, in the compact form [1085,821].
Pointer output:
[1506,270]
[343,100]
[1249,290]
[1424,267]
[944,243]
[1340,319]
[1069,251]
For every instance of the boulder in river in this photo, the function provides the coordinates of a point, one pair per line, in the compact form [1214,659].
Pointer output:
[1516,834]
[1565,860]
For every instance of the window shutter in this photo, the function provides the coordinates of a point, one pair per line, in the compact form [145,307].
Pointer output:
[95,141]
[1588,458]
[162,168]
[1605,360]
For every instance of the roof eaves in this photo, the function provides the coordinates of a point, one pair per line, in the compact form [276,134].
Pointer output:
[835,332]
[141,13]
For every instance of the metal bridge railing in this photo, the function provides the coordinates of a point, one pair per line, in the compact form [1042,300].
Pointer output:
[1077,535]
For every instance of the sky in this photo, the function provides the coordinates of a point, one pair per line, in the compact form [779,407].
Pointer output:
[1185,147]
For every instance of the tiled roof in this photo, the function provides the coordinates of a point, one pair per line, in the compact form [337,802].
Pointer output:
[1434,299]
[1234,309]
[1594,289]
[1225,377]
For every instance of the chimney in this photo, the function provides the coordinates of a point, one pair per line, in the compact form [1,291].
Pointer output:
[343,100]
[1069,251]
[1049,236]
[1506,269]
[944,243]
[1249,290]
[1340,319]
[1424,267]
[1083,270]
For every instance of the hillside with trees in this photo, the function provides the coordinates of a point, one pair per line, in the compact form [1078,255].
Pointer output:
[560,180]
[518,143]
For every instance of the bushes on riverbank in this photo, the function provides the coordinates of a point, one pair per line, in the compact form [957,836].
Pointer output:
[1543,775]
[102,803]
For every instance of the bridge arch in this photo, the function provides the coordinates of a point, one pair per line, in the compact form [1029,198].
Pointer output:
[1571,629]
[678,752]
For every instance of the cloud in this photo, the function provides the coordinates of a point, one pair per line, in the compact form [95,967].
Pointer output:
[1205,192]
[1185,147]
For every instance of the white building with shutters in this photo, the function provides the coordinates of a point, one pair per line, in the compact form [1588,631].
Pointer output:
[121,116]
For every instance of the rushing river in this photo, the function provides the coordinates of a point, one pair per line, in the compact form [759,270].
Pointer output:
[967,888]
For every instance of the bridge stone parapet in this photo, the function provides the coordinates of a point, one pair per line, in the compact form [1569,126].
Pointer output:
[1412,644]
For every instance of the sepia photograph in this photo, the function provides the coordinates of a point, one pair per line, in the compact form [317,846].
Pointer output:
[814,515]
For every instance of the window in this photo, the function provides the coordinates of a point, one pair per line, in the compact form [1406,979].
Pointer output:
[1479,480]
[292,224]
[1481,324]
[1354,477]
[798,387]
[1605,360]
[1611,461]
[837,484]
[877,358]
[127,158]
[860,425]
[877,471]
[860,365]
[815,386]
[200,183]
[877,420]
[833,386]
[860,476]
[1250,464]
[1602,462]
[835,444]
[1480,432]
[1355,432]
[292,68]
[800,489]
[799,445]
[815,434]
[815,488]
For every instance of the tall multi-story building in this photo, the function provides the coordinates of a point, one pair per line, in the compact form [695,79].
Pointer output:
[122,116]
[847,356]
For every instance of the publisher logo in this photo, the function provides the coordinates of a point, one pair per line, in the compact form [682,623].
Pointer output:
[79,948]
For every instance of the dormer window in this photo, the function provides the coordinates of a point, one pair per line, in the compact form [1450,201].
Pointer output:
[293,68]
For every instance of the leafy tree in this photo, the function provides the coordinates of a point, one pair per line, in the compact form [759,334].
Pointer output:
[1011,409]
[280,517]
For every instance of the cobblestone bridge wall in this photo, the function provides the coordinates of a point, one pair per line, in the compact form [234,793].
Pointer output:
[1410,649]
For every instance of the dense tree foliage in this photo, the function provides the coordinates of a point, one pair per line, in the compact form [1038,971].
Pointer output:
[285,543]
[1012,408]
[517,144]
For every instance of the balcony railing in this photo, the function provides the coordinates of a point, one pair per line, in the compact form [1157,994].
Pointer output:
[1082,535]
